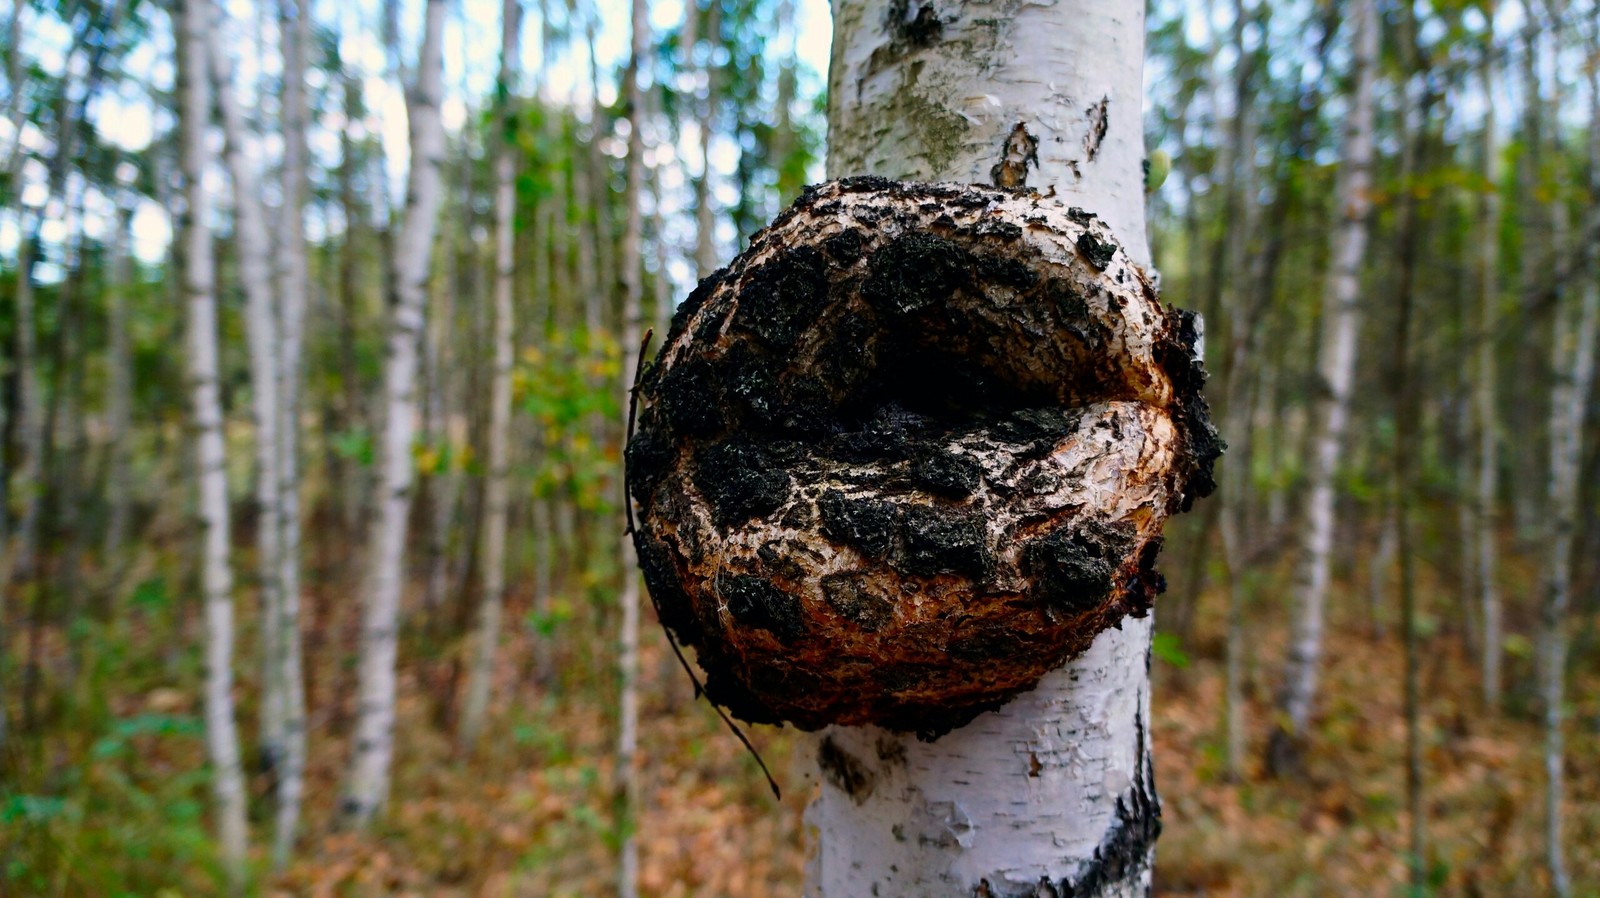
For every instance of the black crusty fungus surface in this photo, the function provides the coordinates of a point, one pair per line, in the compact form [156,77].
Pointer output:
[865,461]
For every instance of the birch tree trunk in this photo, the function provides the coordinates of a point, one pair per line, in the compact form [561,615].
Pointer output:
[1572,371]
[222,739]
[255,276]
[1484,385]
[1336,370]
[1053,791]
[632,313]
[368,785]
[497,492]
[294,21]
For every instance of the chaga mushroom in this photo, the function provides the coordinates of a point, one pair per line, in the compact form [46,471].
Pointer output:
[911,451]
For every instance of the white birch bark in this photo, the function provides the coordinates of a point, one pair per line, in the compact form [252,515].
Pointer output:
[1336,371]
[632,313]
[1572,372]
[216,573]
[368,785]
[1484,387]
[294,20]
[497,491]
[255,276]
[1054,789]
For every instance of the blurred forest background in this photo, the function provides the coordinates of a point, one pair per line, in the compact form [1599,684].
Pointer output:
[317,328]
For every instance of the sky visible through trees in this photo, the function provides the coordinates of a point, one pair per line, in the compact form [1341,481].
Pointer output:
[313,401]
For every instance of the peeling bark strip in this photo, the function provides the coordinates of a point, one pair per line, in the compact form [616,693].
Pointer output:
[1020,150]
[912,451]
[1099,122]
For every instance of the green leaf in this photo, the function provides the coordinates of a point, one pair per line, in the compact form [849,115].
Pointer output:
[1165,647]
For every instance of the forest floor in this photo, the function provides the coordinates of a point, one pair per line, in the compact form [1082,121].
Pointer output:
[110,798]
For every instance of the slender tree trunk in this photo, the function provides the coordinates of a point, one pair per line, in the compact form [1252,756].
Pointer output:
[1246,301]
[1534,255]
[705,247]
[368,785]
[442,488]
[14,159]
[550,271]
[1336,369]
[1416,118]
[119,393]
[255,275]
[353,474]
[497,492]
[1000,805]
[632,314]
[1378,570]
[294,20]
[1484,385]
[1572,372]
[222,739]
[19,559]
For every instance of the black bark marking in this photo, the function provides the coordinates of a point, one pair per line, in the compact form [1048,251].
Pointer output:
[845,772]
[1124,850]
[914,23]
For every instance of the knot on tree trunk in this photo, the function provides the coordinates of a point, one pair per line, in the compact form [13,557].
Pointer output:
[911,451]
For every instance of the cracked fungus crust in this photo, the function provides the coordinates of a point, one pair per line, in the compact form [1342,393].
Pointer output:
[911,451]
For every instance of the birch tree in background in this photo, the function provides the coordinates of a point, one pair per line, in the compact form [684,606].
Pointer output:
[1488,455]
[705,246]
[936,95]
[1336,363]
[195,21]
[373,745]
[261,329]
[497,491]
[1572,372]
[632,314]
[294,33]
